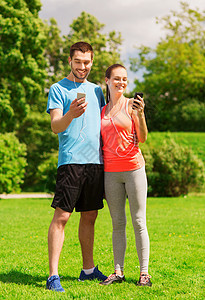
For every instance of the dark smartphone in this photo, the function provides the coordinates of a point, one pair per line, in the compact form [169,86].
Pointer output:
[138,94]
[136,104]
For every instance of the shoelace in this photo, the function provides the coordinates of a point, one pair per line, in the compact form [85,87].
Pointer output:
[144,278]
[111,276]
[57,283]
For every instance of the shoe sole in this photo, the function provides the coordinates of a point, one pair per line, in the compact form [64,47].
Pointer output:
[115,281]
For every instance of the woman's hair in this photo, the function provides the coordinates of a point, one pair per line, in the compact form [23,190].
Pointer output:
[108,75]
[81,46]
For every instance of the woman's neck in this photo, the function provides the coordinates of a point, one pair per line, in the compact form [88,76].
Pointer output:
[116,100]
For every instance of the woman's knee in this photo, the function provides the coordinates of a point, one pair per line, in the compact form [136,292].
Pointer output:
[140,222]
[119,223]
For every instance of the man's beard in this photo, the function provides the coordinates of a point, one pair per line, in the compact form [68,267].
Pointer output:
[80,78]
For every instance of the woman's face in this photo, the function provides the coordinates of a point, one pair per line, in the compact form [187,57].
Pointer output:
[117,82]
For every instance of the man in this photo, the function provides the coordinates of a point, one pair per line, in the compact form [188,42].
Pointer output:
[79,181]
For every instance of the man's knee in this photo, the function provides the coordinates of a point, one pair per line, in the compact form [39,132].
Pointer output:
[61,217]
[89,217]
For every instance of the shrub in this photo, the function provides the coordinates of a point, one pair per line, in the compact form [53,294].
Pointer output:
[175,170]
[47,171]
[12,163]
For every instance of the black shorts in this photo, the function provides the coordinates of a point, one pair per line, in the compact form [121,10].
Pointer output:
[80,187]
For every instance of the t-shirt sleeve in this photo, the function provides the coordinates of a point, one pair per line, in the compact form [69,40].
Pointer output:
[102,98]
[55,99]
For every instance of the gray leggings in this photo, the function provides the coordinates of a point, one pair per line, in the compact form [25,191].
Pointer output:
[119,185]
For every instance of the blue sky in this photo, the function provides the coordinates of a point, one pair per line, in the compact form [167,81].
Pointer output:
[135,19]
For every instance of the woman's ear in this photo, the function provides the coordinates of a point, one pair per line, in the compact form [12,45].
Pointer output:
[106,80]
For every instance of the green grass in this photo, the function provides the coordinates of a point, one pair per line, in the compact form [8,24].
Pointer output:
[175,228]
[194,140]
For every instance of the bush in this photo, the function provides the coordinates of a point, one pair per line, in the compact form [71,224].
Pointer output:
[189,116]
[174,170]
[12,163]
[47,172]
[37,135]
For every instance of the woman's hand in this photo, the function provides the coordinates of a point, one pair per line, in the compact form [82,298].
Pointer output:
[138,106]
[136,111]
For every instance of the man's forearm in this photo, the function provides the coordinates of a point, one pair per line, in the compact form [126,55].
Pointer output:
[60,124]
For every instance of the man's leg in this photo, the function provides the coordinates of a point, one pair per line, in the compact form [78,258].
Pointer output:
[86,237]
[56,239]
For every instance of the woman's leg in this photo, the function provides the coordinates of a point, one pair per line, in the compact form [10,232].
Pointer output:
[136,187]
[116,199]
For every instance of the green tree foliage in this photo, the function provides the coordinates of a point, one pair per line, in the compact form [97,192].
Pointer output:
[42,144]
[22,69]
[85,28]
[106,51]
[12,163]
[174,75]
[22,78]
[41,141]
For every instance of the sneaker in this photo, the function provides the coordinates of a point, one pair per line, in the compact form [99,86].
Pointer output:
[53,283]
[95,275]
[144,280]
[113,278]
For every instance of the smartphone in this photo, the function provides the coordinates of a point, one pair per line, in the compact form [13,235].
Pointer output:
[136,104]
[138,94]
[79,96]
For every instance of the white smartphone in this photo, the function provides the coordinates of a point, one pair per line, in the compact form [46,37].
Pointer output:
[81,95]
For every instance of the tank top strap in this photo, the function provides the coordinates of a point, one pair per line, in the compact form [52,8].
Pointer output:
[126,108]
[103,111]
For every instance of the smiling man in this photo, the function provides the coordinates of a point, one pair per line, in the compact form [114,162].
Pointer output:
[74,105]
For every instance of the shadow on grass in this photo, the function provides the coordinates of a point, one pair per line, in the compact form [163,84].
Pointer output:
[27,279]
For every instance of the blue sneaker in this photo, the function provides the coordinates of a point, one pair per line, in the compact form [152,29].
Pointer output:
[95,275]
[53,283]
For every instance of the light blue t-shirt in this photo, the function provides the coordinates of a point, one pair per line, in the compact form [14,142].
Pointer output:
[80,142]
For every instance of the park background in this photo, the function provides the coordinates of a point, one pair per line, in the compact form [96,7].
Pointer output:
[170,70]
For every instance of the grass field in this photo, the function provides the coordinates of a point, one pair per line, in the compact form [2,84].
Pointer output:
[176,230]
[194,140]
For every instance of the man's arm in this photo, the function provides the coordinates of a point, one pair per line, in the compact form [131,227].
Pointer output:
[60,123]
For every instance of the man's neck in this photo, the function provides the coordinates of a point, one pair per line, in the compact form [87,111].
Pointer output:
[71,77]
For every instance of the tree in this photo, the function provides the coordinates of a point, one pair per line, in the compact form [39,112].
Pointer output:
[174,75]
[42,144]
[22,69]
[85,28]
[22,78]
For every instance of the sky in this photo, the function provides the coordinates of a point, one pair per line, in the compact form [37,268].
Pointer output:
[135,19]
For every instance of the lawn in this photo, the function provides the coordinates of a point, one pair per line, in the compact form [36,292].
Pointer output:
[194,140]
[176,230]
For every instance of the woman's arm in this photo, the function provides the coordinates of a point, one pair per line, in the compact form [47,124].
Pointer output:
[138,116]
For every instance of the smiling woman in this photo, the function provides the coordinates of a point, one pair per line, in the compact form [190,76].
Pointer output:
[123,126]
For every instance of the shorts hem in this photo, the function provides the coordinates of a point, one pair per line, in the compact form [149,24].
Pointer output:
[83,210]
[55,206]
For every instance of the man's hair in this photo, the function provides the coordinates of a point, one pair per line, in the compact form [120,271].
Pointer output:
[108,75]
[81,46]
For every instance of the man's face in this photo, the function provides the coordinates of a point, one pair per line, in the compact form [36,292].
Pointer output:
[81,64]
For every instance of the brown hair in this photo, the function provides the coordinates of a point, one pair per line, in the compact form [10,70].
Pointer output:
[81,46]
[108,75]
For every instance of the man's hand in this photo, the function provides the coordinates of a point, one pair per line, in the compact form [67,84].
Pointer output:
[78,107]
[60,123]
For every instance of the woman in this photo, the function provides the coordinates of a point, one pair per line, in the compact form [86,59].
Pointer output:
[123,126]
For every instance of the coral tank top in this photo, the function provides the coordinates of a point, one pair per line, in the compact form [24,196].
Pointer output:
[120,144]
